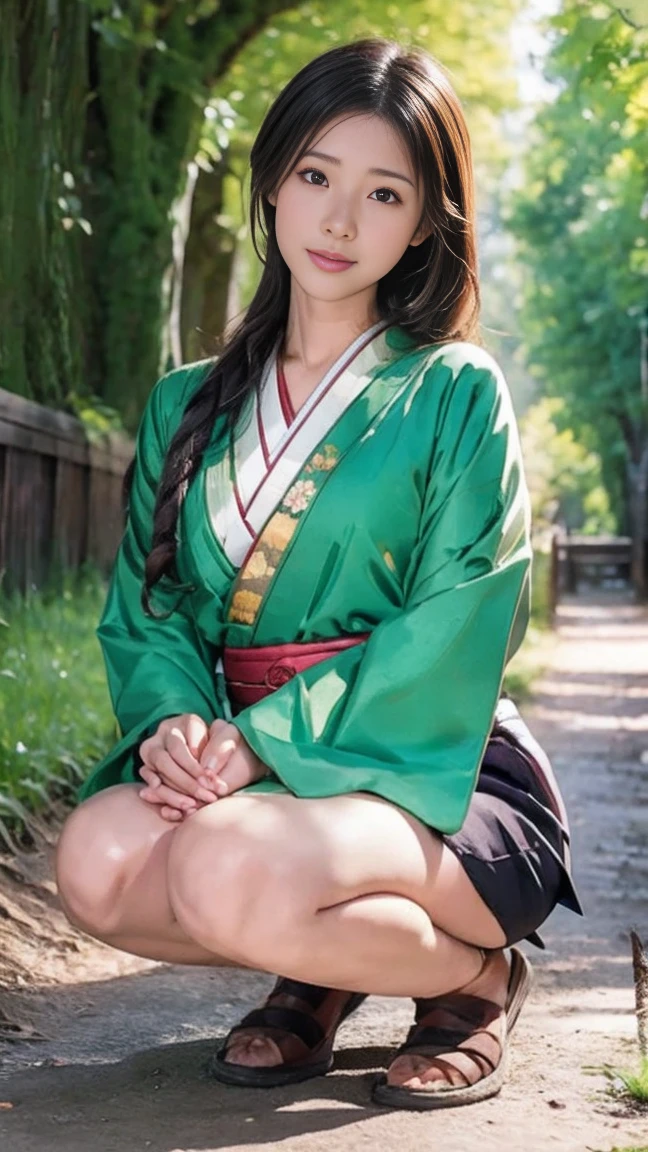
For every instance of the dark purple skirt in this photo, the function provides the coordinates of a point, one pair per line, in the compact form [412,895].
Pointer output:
[514,843]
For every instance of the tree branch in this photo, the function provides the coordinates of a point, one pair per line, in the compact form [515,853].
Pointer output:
[627,18]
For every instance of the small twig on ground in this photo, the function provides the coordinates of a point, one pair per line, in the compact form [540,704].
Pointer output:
[640,970]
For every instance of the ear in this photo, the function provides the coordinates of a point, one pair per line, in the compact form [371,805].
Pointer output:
[420,235]
[272,199]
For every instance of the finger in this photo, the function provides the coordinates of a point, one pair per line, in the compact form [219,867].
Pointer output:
[151,796]
[174,775]
[146,745]
[201,788]
[178,800]
[217,725]
[175,742]
[150,776]
[196,734]
[237,772]
[173,815]
[171,797]
[220,747]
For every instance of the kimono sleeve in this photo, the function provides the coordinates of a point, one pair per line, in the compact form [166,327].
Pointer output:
[407,714]
[155,667]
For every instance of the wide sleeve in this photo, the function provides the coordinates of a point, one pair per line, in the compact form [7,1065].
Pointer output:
[407,714]
[155,667]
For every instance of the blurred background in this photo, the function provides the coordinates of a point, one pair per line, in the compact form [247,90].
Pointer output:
[125,131]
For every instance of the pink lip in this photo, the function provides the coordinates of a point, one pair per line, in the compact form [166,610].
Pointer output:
[328,262]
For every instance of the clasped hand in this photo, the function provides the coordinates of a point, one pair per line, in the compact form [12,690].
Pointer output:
[187,763]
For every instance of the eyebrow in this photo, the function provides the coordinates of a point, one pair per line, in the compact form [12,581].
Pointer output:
[372,171]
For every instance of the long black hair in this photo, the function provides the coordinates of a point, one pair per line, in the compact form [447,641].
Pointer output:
[432,292]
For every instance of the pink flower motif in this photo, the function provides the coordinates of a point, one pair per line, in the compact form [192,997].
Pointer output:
[299,496]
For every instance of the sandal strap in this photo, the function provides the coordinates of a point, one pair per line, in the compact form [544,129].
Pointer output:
[306,1028]
[437,1051]
[312,994]
[447,1068]
[471,1009]
[443,1038]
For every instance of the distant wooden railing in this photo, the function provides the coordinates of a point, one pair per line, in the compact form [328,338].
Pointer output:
[60,495]
[591,559]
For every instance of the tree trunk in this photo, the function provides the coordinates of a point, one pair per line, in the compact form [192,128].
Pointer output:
[144,130]
[98,122]
[43,64]
[207,267]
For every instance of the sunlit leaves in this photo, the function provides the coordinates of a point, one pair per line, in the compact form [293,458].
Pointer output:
[580,228]
[564,477]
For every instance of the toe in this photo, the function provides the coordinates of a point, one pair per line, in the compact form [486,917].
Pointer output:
[253,1052]
[415,1072]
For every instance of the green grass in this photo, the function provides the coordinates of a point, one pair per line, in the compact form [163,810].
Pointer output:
[540,573]
[635,1084]
[55,713]
[530,660]
[635,1148]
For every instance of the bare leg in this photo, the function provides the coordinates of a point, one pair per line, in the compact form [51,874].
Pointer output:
[348,891]
[112,862]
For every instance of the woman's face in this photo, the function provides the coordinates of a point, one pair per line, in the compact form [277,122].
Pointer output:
[355,194]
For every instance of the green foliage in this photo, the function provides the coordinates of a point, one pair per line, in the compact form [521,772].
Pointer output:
[564,477]
[580,220]
[627,1083]
[98,419]
[55,714]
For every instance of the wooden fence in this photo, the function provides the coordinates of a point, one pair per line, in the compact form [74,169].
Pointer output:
[591,559]
[60,495]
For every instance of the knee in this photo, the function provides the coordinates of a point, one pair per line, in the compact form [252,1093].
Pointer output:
[234,893]
[90,871]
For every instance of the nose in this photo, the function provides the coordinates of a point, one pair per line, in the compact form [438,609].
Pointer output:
[340,218]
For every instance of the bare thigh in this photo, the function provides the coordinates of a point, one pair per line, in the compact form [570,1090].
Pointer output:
[297,856]
[112,867]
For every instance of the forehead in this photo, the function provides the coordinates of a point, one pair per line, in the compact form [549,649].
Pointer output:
[365,139]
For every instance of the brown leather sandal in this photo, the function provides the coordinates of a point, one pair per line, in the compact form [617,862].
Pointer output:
[302,1019]
[459,1022]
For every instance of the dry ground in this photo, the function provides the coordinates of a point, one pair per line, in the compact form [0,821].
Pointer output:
[105,1052]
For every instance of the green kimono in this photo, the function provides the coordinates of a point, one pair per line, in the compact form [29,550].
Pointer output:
[394,504]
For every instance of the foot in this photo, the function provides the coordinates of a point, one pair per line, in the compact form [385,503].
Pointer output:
[259,1047]
[481,1050]
[252,1046]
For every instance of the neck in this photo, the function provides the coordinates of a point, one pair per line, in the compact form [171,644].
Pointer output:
[318,331]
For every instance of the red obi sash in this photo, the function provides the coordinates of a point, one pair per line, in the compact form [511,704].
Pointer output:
[252,673]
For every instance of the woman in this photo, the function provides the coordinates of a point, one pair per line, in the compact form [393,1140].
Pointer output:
[324,572]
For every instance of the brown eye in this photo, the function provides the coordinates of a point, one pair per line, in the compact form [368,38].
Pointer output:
[390,192]
[316,172]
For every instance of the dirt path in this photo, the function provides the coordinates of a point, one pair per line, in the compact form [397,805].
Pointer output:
[119,1069]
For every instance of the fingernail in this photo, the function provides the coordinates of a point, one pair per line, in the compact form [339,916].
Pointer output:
[211,763]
